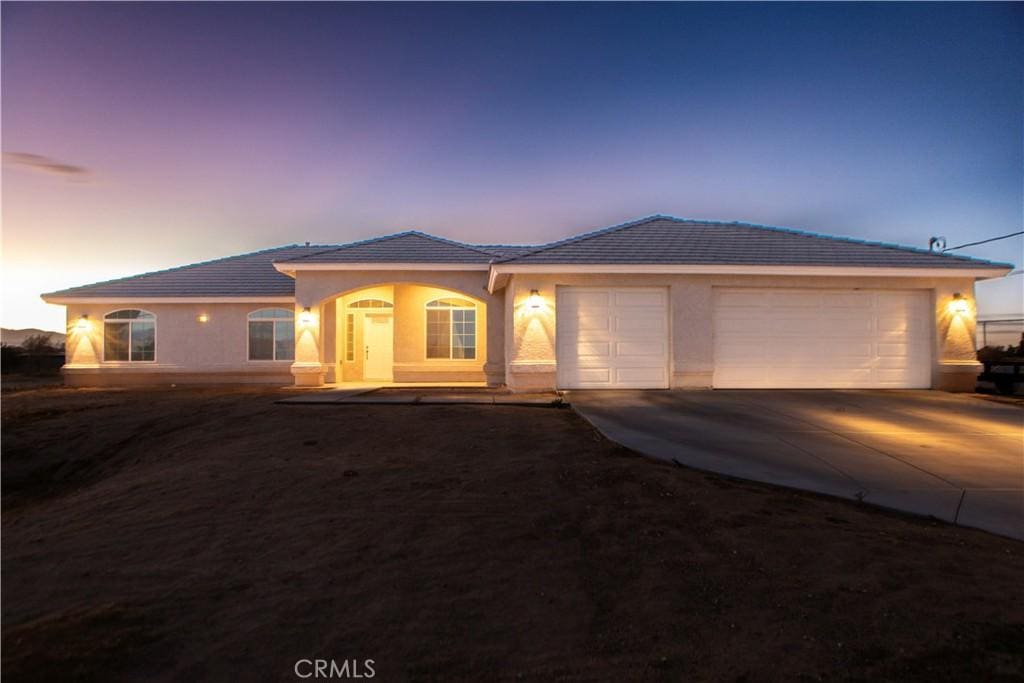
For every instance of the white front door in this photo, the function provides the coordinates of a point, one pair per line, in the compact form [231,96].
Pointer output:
[612,337]
[378,351]
[821,339]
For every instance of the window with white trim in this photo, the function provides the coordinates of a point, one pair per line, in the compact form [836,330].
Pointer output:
[272,334]
[129,335]
[451,329]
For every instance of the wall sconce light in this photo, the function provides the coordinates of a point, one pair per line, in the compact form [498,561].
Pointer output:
[306,317]
[534,301]
[958,306]
[83,323]
[203,318]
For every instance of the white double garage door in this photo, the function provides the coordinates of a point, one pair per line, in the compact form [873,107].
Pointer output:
[619,337]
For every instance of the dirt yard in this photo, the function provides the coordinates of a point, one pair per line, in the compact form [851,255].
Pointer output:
[214,535]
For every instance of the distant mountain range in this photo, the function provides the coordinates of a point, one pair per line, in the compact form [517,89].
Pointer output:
[16,337]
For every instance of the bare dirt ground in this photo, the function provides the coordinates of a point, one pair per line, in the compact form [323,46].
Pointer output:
[210,534]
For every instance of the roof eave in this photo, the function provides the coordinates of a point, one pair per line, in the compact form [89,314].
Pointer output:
[500,271]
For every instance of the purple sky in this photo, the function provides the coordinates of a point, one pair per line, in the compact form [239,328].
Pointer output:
[170,133]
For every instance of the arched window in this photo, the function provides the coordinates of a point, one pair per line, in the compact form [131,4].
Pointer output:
[371,303]
[129,335]
[272,334]
[451,329]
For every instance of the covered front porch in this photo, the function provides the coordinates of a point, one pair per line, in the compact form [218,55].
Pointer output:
[397,334]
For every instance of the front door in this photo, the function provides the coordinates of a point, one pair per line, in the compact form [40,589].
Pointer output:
[378,351]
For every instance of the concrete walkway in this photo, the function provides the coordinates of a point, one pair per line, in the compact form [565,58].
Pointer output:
[422,396]
[955,457]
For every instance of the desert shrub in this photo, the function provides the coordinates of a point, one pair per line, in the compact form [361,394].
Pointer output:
[11,358]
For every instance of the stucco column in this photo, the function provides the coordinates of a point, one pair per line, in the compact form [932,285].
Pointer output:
[693,361]
[308,369]
[956,364]
[530,338]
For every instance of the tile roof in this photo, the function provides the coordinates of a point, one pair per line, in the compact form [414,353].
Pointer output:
[652,240]
[250,274]
[670,240]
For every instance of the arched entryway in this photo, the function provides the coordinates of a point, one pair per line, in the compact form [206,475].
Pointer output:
[408,333]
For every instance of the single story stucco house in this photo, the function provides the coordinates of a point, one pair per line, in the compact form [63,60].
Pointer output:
[655,303]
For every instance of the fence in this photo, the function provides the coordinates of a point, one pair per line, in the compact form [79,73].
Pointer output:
[999,332]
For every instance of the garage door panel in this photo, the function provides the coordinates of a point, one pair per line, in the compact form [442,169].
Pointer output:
[732,325]
[640,328]
[821,338]
[592,321]
[637,298]
[612,337]
[896,325]
[586,298]
[889,350]
[841,328]
[893,363]
[593,349]
[594,375]
[639,375]
[850,349]
[642,349]
[844,300]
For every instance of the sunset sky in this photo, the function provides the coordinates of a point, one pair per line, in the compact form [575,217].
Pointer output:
[143,136]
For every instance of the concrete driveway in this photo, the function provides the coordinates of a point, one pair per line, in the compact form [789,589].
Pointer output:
[956,457]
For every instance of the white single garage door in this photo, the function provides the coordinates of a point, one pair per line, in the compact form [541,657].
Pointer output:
[821,338]
[612,337]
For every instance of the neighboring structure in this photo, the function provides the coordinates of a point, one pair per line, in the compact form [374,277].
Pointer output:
[656,303]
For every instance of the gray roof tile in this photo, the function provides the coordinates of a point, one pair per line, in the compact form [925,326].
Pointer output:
[250,274]
[669,240]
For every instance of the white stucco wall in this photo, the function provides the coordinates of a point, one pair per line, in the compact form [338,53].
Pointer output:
[187,350]
[516,342]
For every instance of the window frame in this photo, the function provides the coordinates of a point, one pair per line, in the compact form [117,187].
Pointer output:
[370,304]
[451,328]
[128,322]
[273,340]
[350,338]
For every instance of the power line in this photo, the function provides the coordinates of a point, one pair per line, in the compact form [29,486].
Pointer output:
[993,239]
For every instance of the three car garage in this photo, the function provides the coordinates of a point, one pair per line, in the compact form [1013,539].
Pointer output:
[620,337]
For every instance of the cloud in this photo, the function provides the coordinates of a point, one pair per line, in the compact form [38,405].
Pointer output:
[41,164]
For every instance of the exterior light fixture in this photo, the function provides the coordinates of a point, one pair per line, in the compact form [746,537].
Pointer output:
[534,299]
[203,318]
[306,317]
[958,305]
[83,323]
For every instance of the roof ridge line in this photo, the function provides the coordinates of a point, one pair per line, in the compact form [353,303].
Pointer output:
[464,245]
[395,235]
[346,245]
[583,236]
[161,271]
